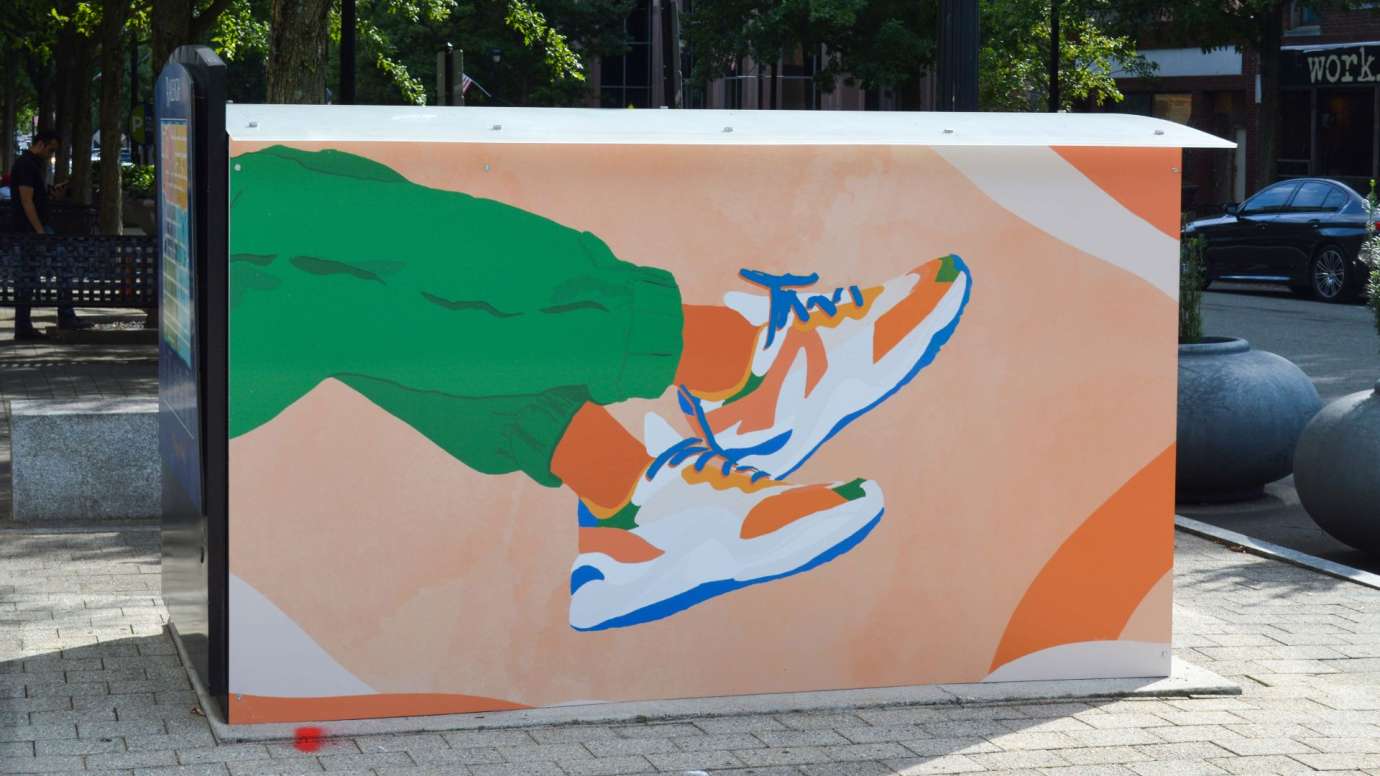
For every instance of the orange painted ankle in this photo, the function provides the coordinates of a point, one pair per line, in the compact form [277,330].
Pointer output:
[717,349]
[599,459]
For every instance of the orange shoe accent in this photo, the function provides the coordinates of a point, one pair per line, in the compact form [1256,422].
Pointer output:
[619,544]
[599,460]
[1141,179]
[896,323]
[716,352]
[249,709]
[714,476]
[780,511]
[1095,581]
[757,410]
[819,320]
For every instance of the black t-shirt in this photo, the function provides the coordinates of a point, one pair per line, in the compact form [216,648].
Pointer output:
[28,171]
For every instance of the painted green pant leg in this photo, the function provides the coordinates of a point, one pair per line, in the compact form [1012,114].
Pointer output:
[479,324]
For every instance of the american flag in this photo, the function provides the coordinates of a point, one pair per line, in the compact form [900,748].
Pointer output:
[465,82]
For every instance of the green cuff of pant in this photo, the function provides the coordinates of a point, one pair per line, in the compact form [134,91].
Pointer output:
[538,427]
[654,333]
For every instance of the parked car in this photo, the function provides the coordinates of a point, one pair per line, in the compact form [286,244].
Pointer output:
[1303,232]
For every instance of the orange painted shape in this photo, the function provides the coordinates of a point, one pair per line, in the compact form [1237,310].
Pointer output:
[1098,577]
[253,709]
[901,320]
[713,475]
[599,460]
[1141,179]
[621,545]
[716,356]
[757,410]
[846,310]
[780,511]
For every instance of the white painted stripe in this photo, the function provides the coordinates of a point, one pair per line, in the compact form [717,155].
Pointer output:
[1088,660]
[1277,552]
[1041,187]
[271,655]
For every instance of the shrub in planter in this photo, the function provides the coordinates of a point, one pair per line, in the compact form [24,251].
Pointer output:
[1240,410]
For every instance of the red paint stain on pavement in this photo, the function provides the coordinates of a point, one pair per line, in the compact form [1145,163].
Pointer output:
[308,739]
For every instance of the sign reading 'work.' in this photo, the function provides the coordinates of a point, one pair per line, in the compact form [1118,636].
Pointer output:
[1328,66]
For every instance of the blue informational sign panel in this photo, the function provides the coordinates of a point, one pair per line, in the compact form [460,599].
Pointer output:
[178,362]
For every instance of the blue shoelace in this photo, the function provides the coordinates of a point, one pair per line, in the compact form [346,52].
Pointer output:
[785,301]
[707,448]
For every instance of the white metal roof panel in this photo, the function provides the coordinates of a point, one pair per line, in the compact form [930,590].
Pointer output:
[346,123]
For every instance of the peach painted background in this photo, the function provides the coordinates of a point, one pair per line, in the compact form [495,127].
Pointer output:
[423,578]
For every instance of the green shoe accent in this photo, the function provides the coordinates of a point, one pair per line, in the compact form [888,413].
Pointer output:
[751,385]
[623,518]
[948,271]
[851,491]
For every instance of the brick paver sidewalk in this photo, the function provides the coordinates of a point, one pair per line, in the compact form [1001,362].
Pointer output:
[89,682]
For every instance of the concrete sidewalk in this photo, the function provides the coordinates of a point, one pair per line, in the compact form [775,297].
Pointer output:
[89,682]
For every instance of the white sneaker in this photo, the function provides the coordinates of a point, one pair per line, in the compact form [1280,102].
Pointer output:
[699,526]
[825,360]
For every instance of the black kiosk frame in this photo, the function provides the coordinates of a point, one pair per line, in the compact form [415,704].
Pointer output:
[193,160]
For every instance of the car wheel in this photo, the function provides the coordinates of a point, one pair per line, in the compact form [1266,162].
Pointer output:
[1329,274]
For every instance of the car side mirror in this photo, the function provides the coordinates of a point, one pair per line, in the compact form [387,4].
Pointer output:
[1232,209]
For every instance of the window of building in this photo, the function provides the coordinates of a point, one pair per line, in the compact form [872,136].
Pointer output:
[625,80]
[1346,130]
[733,87]
[1295,141]
[796,81]
[1174,107]
[1302,18]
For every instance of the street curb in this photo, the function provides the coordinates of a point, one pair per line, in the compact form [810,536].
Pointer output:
[1276,552]
[1184,680]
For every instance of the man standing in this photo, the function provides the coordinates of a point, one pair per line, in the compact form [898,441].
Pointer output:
[29,214]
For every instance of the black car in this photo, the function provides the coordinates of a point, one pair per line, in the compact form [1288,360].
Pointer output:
[1305,232]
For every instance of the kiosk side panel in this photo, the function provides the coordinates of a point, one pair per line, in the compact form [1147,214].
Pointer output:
[518,425]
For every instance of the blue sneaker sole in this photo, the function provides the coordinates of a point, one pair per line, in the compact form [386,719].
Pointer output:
[704,592]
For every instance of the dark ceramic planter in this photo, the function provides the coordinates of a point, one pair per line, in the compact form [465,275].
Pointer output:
[1337,470]
[1240,415]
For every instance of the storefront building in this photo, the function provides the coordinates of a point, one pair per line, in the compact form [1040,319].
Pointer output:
[1329,104]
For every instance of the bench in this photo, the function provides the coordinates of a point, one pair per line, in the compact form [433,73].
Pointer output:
[85,460]
[81,270]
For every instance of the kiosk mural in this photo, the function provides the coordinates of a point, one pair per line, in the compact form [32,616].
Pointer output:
[529,424]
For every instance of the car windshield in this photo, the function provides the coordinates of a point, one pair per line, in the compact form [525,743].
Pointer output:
[1269,200]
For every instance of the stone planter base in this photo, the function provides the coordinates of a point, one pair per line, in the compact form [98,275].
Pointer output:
[1240,414]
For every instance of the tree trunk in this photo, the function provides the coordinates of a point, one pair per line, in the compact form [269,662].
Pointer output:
[1268,118]
[62,115]
[9,109]
[82,71]
[112,105]
[171,24]
[41,76]
[297,51]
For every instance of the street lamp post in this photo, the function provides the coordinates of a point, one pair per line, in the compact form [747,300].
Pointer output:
[347,52]
[958,55]
[1054,56]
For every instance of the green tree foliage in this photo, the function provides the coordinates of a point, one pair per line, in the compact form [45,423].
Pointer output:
[544,47]
[1014,60]
[878,44]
